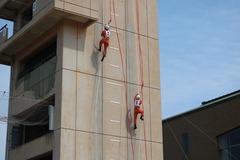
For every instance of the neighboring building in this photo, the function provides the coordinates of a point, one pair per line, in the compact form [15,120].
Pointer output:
[65,104]
[210,132]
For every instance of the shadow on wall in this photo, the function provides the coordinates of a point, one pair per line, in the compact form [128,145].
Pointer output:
[95,55]
[94,59]
[128,122]
[82,32]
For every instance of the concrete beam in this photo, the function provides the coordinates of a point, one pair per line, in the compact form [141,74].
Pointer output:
[6,60]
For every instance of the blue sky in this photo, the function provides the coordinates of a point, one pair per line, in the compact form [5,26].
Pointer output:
[199,53]
[4,86]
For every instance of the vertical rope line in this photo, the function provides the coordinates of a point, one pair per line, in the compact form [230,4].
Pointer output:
[124,77]
[141,70]
[110,11]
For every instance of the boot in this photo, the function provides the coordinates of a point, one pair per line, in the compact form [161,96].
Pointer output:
[142,117]
[135,126]
[103,58]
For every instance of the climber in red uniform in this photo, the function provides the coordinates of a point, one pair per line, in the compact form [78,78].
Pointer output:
[105,40]
[137,109]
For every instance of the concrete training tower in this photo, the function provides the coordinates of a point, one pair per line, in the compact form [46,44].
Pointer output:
[65,104]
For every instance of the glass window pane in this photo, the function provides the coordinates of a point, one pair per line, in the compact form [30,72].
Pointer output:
[235,153]
[235,137]
[225,155]
[185,143]
[223,141]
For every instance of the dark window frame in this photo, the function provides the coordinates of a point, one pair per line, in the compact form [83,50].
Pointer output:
[226,148]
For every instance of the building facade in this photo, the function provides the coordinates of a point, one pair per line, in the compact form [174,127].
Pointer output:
[209,132]
[64,102]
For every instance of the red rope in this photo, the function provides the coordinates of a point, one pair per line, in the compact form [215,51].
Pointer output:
[124,77]
[110,11]
[141,70]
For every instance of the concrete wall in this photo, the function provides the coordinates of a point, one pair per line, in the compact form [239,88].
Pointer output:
[90,101]
[33,148]
[93,105]
[203,127]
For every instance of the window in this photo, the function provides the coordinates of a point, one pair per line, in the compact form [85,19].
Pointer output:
[185,143]
[32,123]
[37,72]
[17,133]
[230,145]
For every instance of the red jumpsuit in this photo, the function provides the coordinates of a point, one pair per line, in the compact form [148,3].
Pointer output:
[137,109]
[105,40]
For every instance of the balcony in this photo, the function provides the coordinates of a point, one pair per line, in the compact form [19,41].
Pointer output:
[33,18]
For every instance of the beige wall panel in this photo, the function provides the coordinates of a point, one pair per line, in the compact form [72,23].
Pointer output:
[58,4]
[83,3]
[69,44]
[156,118]
[114,148]
[154,66]
[77,9]
[157,151]
[114,108]
[67,144]
[88,57]
[152,18]
[112,64]
[119,13]
[133,61]
[68,99]
[58,99]
[95,5]
[56,144]
[89,103]
[131,18]
[141,150]
[88,146]
[94,14]
[112,120]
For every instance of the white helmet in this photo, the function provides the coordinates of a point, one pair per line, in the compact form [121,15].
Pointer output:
[107,27]
[138,96]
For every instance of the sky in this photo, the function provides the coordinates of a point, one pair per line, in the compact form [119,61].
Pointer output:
[4,86]
[199,54]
